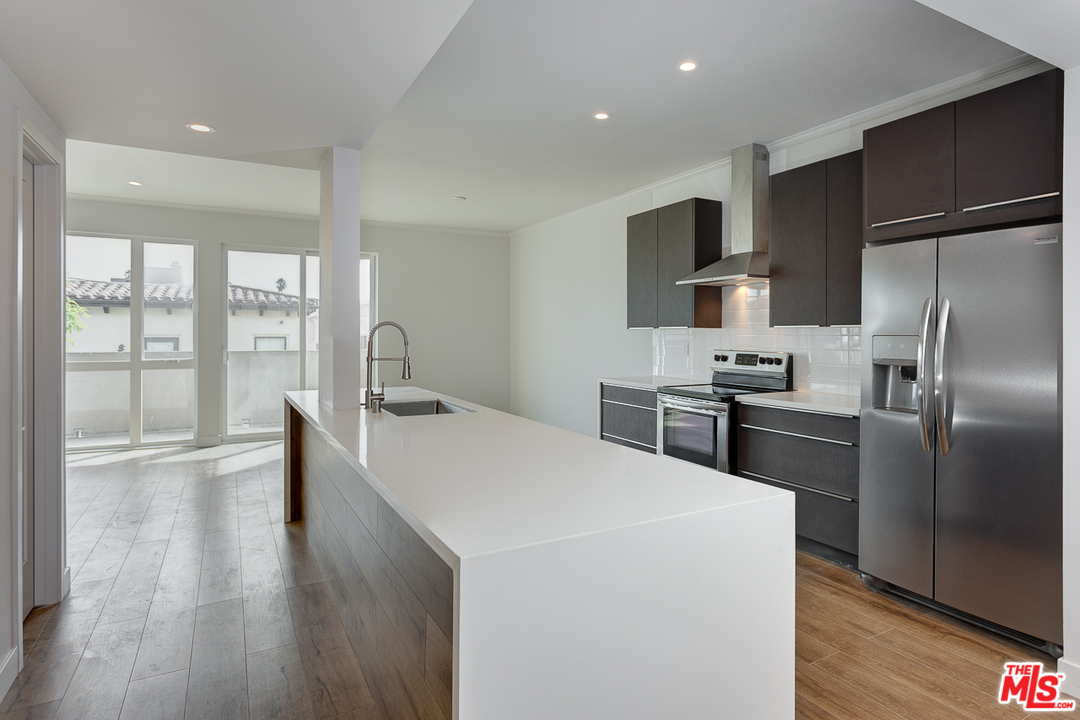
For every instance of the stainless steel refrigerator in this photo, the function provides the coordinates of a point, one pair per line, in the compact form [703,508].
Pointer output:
[960,467]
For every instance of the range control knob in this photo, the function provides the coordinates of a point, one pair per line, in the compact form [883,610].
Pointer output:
[719,358]
[761,361]
[723,358]
[770,361]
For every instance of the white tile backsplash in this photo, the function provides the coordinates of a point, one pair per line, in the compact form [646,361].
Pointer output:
[826,359]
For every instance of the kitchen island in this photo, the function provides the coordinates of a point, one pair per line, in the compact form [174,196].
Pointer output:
[489,567]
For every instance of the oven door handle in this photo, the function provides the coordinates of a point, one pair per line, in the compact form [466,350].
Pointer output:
[694,410]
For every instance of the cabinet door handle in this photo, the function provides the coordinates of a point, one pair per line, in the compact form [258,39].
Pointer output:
[1011,202]
[909,219]
[798,435]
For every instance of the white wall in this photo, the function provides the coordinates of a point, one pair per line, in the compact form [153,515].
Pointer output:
[1070,249]
[451,292]
[568,281]
[17,109]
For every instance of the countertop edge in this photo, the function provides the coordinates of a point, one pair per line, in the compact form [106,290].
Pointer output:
[648,382]
[765,400]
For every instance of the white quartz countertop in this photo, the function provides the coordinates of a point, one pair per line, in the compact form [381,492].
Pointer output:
[487,481]
[651,382]
[814,401]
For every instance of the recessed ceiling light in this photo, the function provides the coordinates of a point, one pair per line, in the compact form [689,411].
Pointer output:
[688,66]
[133,182]
[199,127]
[601,116]
[459,197]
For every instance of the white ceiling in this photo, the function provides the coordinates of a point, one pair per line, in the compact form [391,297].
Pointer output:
[1047,29]
[502,113]
[269,75]
[105,171]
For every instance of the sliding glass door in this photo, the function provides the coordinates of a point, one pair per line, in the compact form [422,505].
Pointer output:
[272,304]
[130,342]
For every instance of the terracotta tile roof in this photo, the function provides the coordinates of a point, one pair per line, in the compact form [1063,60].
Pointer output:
[98,292]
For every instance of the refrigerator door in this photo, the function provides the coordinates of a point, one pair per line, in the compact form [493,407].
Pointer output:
[896,473]
[999,485]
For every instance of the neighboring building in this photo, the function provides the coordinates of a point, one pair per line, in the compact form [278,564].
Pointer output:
[264,349]
[260,320]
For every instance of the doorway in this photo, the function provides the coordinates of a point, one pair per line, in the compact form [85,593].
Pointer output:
[26,420]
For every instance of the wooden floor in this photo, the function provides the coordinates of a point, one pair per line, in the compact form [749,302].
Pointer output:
[191,599]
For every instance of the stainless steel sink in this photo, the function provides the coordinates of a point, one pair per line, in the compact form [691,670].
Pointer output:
[404,408]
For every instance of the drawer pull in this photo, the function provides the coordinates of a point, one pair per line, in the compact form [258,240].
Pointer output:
[639,407]
[1011,202]
[622,439]
[906,220]
[797,486]
[798,435]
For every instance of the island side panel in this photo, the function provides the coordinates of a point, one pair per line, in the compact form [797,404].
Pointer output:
[379,579]
[690,617]
[294,422]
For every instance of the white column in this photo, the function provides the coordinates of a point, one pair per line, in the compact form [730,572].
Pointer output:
[1070,251]
[340,360]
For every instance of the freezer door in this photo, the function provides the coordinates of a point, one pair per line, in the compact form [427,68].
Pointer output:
[896,475]
[999,485]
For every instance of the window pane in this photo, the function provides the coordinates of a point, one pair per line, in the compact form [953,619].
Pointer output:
[168,299]
[271,343]
[168,411]
[311,323]
[98,310]
[98,408]
[263,338]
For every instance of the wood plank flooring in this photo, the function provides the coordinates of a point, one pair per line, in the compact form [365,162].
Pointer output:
[192,599]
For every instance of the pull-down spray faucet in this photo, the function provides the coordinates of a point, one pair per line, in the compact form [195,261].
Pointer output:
[373,400]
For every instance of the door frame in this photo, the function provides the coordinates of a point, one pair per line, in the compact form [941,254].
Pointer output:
[52,577]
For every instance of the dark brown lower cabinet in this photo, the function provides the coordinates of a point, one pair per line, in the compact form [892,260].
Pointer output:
[628,417]
[816,456]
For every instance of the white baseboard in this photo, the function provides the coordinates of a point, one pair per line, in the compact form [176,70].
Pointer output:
[206,441]
[9,670]
[1071,670]
[65,583]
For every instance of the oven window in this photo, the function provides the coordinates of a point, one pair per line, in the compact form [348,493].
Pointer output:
[690,437]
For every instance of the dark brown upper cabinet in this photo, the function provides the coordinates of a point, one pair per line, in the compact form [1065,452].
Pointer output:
[844,179]
[992,159]
[815,244]
[663,246]
[910,167]
[1009,143]
[641,270]
[797,246]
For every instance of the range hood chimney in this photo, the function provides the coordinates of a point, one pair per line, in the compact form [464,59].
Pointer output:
[749,258]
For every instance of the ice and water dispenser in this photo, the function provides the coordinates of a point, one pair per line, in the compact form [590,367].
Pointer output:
[895,359]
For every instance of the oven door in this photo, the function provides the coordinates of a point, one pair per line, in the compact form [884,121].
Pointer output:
[693,431]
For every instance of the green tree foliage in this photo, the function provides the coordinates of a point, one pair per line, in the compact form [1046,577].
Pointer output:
[73,318]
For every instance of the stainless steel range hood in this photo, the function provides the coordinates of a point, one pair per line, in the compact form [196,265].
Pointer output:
[749,258]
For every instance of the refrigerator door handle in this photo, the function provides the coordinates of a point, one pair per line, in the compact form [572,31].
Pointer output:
[920,375]
[940,389]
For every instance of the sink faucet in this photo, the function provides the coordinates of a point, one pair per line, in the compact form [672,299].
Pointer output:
[373,400]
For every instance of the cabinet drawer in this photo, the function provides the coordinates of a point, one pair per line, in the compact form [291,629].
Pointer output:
[809,462]
[629,396]
[628,423]
[826,519]
[830,427]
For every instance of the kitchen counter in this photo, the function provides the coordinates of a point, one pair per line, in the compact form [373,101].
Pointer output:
[578,568]
[650,382]
[829,403]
